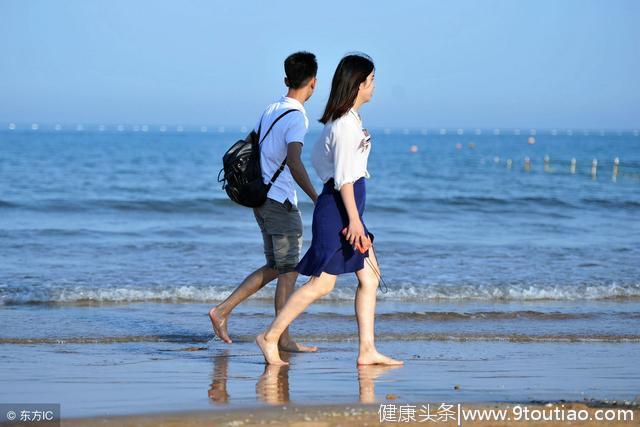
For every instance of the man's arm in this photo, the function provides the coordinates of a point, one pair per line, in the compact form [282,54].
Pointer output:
[298,171]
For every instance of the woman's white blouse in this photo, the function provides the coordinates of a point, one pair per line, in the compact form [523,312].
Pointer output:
[342,151]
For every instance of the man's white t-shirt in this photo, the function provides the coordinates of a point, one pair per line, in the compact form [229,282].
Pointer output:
[290,128]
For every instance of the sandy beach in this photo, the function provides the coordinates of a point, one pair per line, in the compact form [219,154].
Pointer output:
[552,414]
[196,380]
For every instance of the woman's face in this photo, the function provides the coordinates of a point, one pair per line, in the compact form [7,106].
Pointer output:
[367,87]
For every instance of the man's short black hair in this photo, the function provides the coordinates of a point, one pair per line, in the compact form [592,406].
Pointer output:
[300,67]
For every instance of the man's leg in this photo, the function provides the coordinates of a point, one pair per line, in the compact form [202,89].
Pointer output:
[249,286]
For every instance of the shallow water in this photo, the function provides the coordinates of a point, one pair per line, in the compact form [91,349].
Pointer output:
[518,285]
[122,217]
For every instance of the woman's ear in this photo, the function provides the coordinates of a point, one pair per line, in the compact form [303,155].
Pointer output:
[286,82]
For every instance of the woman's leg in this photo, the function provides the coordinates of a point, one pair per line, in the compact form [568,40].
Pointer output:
[365,314]
[315,288]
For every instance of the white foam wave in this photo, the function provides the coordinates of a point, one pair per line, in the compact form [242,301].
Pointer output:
[209,293]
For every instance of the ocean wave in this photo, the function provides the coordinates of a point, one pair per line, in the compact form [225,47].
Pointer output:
[5,204]
[79,294]
[444,316]
[399,205]
[186,205]
[608,203]
[334,337]
[476,315]
[475,201]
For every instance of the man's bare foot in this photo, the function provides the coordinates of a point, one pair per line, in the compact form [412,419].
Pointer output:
[294,347]
[270,351]
[219,325]
[374,358]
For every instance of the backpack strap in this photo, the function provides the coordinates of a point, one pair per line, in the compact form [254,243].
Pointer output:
[277,173]
[272,124]
[284,162]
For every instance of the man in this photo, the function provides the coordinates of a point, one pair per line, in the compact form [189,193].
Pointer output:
[279,218]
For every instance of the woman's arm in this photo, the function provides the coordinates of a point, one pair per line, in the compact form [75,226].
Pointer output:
[355,230]
[346,139]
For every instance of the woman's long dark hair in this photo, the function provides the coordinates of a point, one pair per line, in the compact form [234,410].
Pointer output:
[352,70]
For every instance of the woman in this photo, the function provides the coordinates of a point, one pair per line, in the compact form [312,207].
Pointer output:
[340,158]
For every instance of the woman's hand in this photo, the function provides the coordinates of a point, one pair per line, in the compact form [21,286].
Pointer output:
[355,233]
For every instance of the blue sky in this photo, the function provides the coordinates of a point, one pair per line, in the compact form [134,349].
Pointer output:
[541,64]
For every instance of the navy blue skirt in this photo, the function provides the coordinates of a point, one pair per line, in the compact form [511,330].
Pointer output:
[330,252]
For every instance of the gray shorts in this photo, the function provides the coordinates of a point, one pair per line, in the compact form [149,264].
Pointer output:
[281,227]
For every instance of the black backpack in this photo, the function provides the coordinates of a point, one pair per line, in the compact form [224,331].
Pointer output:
[242,179]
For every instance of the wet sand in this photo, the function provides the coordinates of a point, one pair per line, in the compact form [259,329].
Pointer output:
[161,383]
[370,415]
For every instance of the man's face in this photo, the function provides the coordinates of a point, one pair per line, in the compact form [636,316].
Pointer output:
[312,86]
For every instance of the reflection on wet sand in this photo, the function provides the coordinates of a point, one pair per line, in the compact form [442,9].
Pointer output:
[272,387]
[367,374]
[218,389]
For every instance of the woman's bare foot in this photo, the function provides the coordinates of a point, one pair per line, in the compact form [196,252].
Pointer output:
[270,351]
[294,347]
[372,357]
[219,325]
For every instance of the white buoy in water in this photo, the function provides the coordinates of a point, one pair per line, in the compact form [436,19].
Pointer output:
[546,163]
[531,140]
[413,149]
